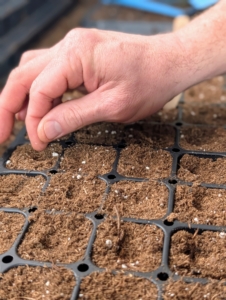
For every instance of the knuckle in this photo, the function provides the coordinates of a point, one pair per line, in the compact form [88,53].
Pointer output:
[72,118]
[25,56]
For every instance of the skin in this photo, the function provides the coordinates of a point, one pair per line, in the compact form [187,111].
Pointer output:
[127,77]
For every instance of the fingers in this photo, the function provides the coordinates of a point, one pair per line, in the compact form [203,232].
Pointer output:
[70,116]
[51,83]
[29,55]
[16,90]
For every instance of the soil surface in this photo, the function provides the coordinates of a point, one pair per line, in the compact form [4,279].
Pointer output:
[10,226]
[30,283]
[203,139]
[210,91]
[106,285]
[198,255]
[26,158]
[127,246]
[71,192]
[204,114]
[194,291]
[20,191]
[157,136]
[141,200]
[200,205]
[196,169]
[86,159]
[164,116]
[101,133]
[137,161]
[56,238]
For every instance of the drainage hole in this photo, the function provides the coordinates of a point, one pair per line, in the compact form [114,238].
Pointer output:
[33,209]
[172,181]
[121,146]
[179,124]
[83,267]
[176,150]
[68,143]
[111,176]
[53,172]
[163,276]
[99,216]
[168,223]
[7,259]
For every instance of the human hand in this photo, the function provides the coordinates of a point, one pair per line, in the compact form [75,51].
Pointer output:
[128,77]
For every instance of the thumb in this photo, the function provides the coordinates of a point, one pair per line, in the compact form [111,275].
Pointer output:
[70,116]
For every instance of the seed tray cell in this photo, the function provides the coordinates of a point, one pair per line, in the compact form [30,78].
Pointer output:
[118,211]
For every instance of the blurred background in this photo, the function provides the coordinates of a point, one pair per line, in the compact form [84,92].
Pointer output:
[32,24]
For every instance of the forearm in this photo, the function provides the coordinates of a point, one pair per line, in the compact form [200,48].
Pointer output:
[202,44]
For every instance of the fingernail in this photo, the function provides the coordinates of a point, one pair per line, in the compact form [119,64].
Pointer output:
[52,129]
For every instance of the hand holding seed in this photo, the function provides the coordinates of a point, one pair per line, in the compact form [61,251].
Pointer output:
[127,77]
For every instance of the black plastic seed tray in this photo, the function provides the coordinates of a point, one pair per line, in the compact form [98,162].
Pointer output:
[20,22]
[84,267]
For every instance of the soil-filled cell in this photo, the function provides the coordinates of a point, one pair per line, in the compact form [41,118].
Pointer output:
[10,226]
[86,159]
[30,283]
[156,136]
[196,169]
[137,161]
[164,116]
[26,158]
[71,192]
[106,285]
[198,255]
[127,246]
[141,200]
[200,205]
[101,134]
[56,238]
[204,114]
[203,139]
[209,91]
[20,191]
[181,290]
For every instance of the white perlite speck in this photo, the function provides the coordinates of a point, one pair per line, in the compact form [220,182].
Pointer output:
[196,220]
[54,154]
[124,266]
[222,234]
[83,162]
[8,162]
[147,168]
[79,176]
[113,132]
[47,283]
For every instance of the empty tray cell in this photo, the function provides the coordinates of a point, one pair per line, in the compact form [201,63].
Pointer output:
[194,168]
[26,158]
[204,114]
[56,238]
[101,134]
[203,138]
[198,255]
[194,291]
[155,135]
[143,200]
[137,161]
[30,283]
[10,227]
[164,116]
[127,246]
[70,192]
[209,91]
[86,159]
[20,191]
[116,286]
[200,205]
